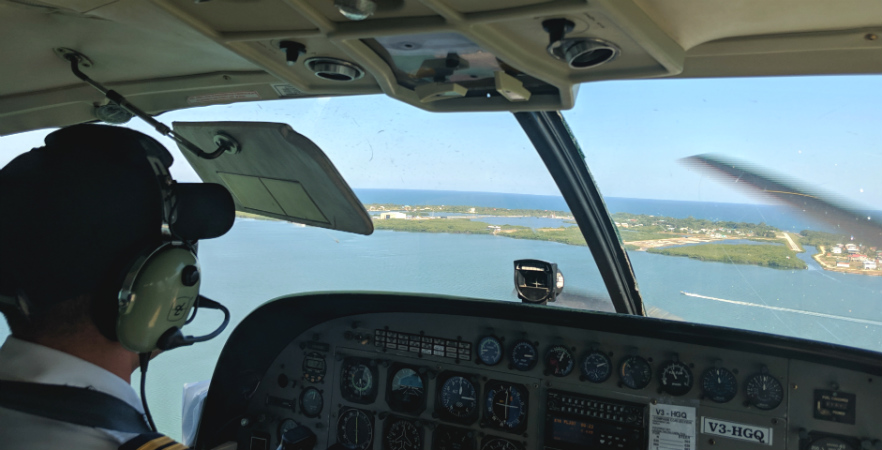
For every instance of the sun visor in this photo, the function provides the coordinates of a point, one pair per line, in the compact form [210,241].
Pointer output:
[276,172]
[202,211]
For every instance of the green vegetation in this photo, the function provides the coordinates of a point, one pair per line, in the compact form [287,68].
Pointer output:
[774,256]
[693,225]
[455,226]
[563,235]
[568,235]
[819,238]
[427,210]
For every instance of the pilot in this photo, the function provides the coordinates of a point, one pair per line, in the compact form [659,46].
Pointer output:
[98,272]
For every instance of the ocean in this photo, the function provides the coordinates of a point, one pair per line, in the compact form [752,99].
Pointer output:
[260,260]
[777,216]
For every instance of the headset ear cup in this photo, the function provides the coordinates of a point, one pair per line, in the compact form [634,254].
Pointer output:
[156,299]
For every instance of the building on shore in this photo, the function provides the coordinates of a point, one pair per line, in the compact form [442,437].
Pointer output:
[392,215]
[843,265]
[869,265]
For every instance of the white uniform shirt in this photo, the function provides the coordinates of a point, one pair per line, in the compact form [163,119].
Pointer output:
[26,361]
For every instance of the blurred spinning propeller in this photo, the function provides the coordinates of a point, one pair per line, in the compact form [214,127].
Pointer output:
[823,208]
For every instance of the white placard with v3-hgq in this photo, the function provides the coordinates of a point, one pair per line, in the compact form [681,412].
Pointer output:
[740,431]
[671,427]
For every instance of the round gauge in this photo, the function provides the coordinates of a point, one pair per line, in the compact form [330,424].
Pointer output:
[449,438]
[357,381]
[635,372]
[719,385]
[495,443]
[764,391]
[407,391]
[355,429]
[829,443]
[490,350]
[523,355]
[402,434]
[596,367]
[675,378]
[311,402]
[284,426]
[505,406]
[559,361]
[459,398]
[314,367]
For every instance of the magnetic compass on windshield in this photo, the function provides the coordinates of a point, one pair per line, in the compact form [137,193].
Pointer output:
[406,389]
[457,398]
[402,434]
[358,380]
[505,406]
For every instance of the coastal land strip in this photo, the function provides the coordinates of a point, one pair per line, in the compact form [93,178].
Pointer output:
[699,239]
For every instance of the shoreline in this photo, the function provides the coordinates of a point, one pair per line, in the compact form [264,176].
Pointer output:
[817,258]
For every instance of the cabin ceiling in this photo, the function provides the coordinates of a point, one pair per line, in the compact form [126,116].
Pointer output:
[172,54]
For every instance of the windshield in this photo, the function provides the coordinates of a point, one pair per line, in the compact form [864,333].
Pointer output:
[704,250]
[456,198]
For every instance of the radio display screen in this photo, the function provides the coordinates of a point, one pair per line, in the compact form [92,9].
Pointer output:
[574,432]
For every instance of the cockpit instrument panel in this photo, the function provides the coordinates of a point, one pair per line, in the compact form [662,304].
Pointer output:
[407,379]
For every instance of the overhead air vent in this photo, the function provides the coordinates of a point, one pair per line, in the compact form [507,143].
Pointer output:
[334,69]
[585,53]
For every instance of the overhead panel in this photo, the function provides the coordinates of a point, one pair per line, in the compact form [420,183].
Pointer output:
[471,6]
[224,16]
[444,66]
[390,9]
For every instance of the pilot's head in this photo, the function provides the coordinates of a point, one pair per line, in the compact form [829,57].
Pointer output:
[82,217]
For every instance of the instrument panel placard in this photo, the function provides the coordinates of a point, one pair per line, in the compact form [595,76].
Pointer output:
[671,427]
[740,431]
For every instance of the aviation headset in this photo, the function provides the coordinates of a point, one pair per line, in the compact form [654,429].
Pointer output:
[161,286]
[144,305]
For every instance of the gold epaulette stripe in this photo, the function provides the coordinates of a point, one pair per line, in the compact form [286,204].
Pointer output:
[176,446]
[156,443]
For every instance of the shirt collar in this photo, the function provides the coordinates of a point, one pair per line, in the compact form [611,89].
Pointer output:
[26,361]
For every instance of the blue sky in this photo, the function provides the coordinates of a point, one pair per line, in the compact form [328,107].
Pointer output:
[825,131]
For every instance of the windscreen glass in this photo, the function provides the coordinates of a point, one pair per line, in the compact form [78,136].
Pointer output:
[712,250]
[455,199]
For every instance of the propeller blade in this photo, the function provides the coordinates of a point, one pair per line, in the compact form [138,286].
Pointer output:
[843,219]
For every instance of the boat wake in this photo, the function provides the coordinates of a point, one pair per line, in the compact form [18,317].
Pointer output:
[778,308]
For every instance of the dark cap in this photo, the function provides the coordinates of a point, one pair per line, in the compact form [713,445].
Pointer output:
[75,213]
